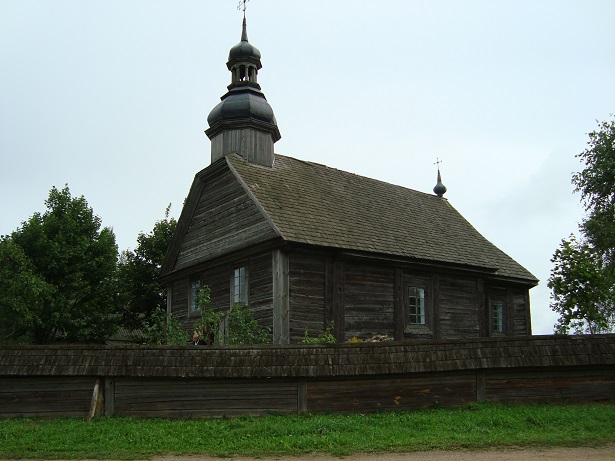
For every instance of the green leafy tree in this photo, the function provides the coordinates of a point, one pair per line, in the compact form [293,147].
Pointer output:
[596,182]
[142,293]
[76,259]
[22,291]
[582,293]
[583,278]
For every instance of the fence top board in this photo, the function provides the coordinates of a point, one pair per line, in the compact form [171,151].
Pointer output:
[308,361]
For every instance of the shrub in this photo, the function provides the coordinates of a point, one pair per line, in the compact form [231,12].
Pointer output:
[326,337]
[242,329]
[162,328]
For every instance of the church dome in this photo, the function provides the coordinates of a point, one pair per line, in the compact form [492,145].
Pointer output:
[242,103]
[243,50]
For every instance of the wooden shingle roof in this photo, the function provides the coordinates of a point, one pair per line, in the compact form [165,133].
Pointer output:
[309,361]
[313,204]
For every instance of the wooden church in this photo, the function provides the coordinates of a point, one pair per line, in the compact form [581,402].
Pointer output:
[304,244]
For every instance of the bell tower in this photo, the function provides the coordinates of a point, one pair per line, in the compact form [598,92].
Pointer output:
[243,122]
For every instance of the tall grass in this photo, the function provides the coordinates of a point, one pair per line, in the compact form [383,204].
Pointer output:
[475,426]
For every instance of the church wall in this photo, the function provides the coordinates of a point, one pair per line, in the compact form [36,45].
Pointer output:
[224,219]
[516,301]
[366,299]
[261,289]
[520,312]
[369,292]
[458,307]
[307,284]
[219,279]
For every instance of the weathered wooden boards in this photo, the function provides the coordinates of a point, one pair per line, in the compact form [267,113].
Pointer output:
[199,381]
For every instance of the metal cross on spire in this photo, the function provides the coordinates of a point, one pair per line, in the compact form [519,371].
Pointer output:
[241,6]
[438,161]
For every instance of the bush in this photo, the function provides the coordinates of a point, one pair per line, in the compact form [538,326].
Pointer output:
[242,329]
[162,328]
[326,337]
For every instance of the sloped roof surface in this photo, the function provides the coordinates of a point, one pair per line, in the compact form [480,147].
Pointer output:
[313,204]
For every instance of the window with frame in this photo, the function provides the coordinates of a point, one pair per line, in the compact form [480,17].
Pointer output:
[195,287]
[415,314]
[240,286]
[497,316]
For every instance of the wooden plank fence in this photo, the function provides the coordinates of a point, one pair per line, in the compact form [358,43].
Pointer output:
[228,381]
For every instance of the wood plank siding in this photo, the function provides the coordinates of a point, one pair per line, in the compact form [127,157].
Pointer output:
[48,396]
[421,390]
[190,398]
[224,219]
[307,284]
[369,295]
[363,299]
[219,279]
[557,383]
[459,313]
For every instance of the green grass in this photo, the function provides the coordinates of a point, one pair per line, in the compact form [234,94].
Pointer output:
[474,427]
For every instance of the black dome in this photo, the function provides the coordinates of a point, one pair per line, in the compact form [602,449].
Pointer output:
[242,50]
[242,103]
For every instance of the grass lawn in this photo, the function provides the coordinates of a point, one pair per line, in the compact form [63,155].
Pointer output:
[475,426]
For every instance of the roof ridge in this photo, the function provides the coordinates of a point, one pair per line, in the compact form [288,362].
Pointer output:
[350,173]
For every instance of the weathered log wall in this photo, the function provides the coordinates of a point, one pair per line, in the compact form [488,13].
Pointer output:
[200,382]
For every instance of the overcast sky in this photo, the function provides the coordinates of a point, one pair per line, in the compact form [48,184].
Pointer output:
[111,97]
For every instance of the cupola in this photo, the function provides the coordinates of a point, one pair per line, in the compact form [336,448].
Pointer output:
[243,122]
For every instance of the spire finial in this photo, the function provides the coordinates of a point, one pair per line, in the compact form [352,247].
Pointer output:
[241,6]
[244,31]
[439,189]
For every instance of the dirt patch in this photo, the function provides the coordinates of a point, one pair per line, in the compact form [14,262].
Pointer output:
[603,453]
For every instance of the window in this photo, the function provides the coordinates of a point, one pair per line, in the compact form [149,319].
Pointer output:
[497,316]
[195,286]
[416,306]
[240,286]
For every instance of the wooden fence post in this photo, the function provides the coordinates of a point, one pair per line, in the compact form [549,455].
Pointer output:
[480,385]
[95,403]
[302,395]
[109,397]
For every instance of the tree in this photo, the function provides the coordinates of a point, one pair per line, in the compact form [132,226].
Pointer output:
[77,261]
[596,182]
[583,278]
[22,293]
[582,293]
[143,295]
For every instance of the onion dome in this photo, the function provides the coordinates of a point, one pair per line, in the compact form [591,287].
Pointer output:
[243,102]
[244,49]
[439,189]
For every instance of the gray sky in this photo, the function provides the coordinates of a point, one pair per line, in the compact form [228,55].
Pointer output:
[111,97]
